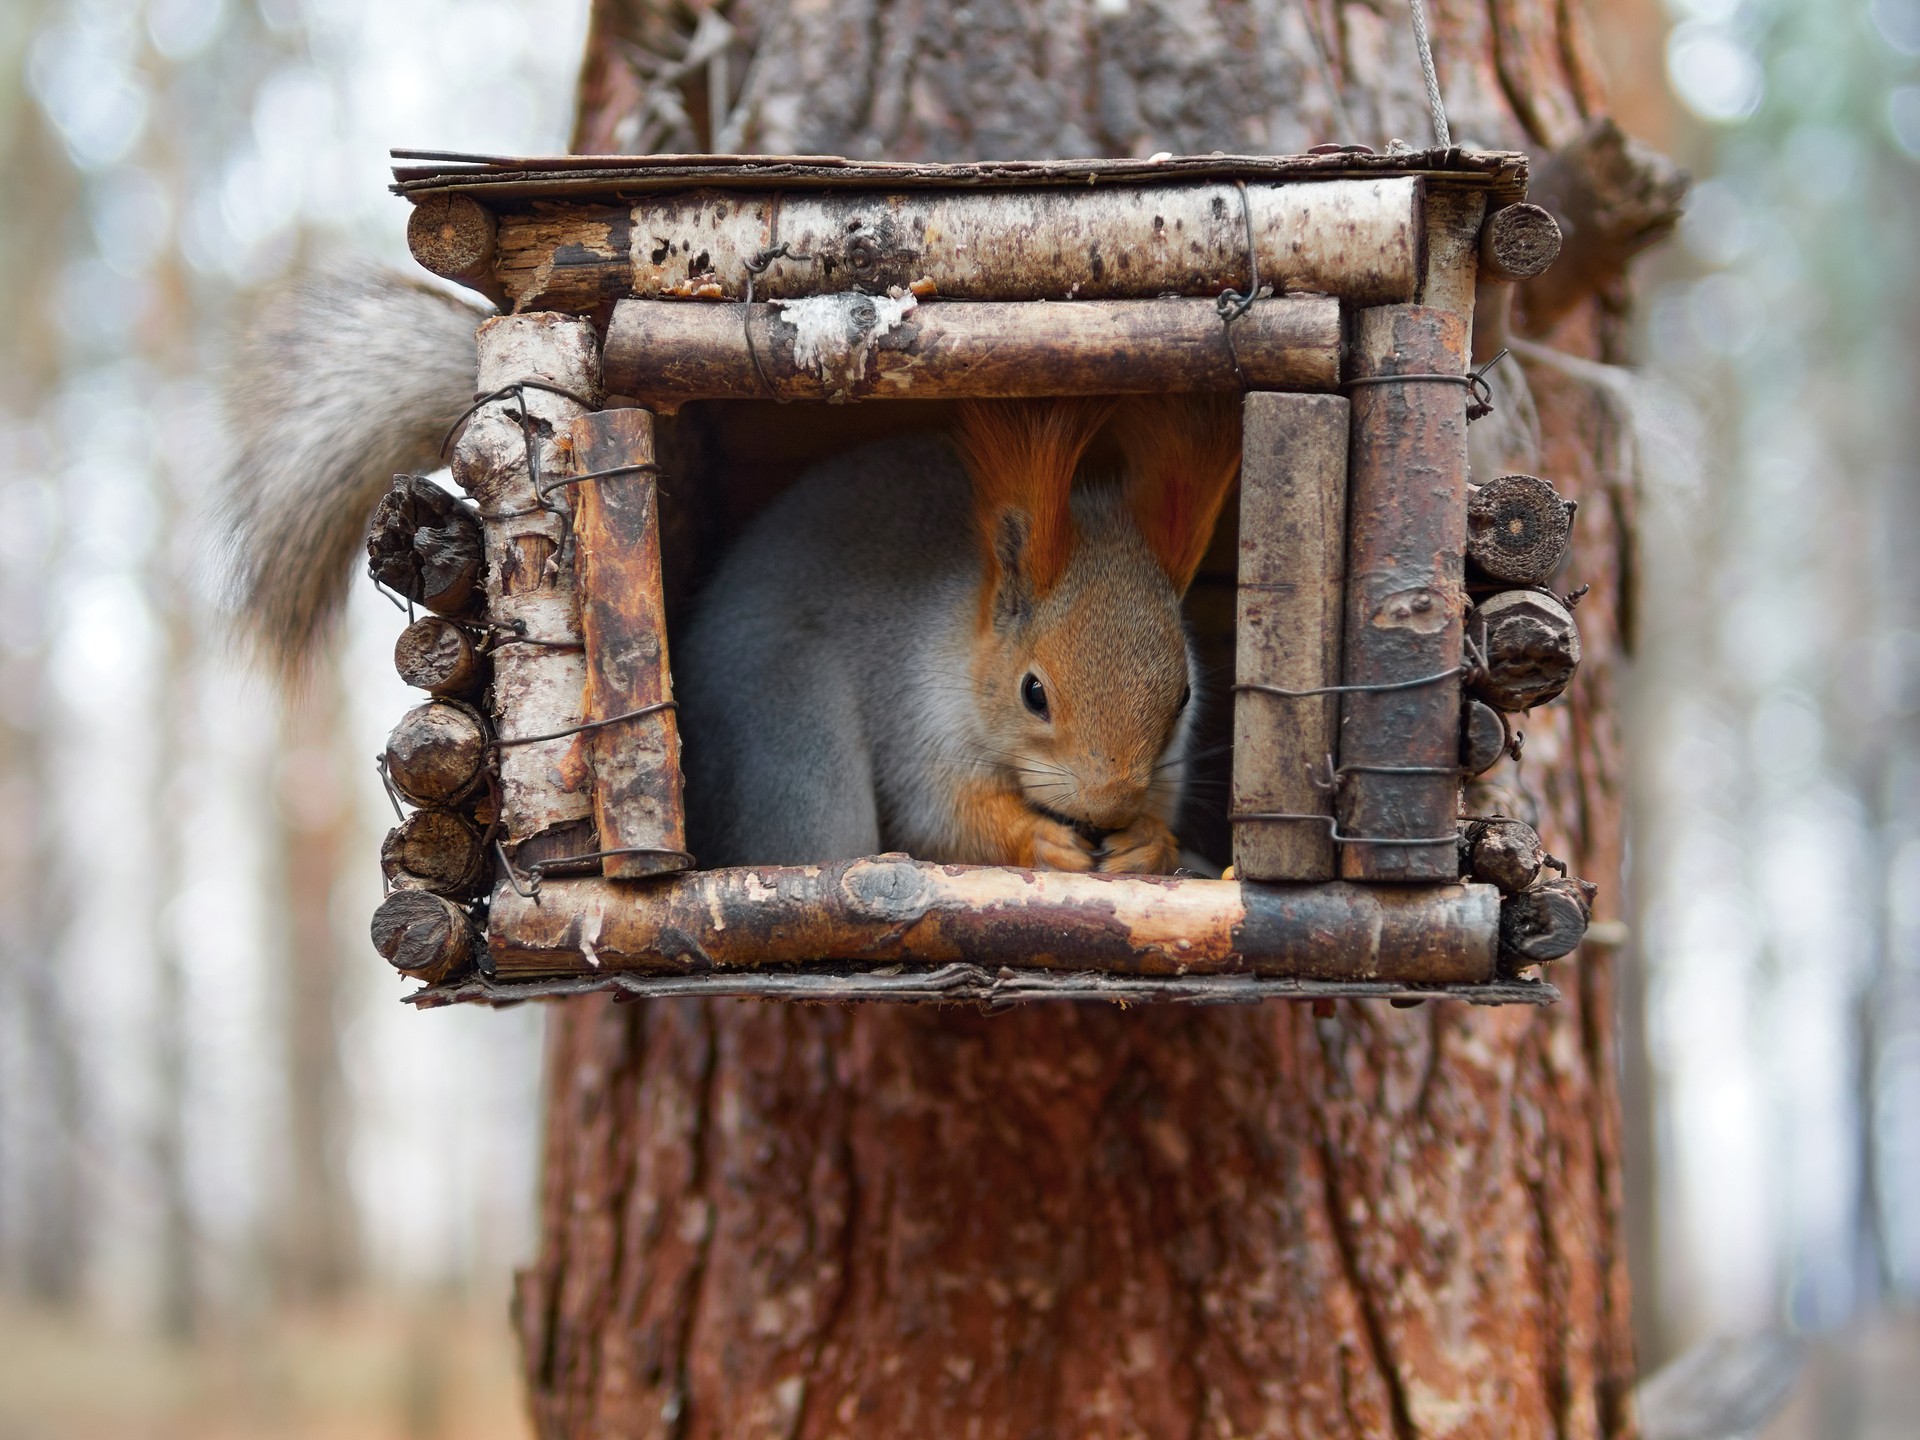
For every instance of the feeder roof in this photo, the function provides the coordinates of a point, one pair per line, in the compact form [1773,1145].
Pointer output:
[498,179]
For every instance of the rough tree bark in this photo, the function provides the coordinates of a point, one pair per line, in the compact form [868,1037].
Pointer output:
[766,1219]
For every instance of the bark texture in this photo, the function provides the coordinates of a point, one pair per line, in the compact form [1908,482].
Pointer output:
[889,908]
[851,347]
[1406,542]
[773,1219]
[1293,568]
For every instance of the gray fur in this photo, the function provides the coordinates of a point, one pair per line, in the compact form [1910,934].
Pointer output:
[826,699]
[810,703]
[342,382]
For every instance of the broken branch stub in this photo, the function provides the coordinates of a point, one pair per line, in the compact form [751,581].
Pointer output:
[1613,197]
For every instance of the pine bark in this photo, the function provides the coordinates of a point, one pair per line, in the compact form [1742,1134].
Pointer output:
[768,1219]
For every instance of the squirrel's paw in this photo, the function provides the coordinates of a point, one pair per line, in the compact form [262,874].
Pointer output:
[1146,847]
[1059,847]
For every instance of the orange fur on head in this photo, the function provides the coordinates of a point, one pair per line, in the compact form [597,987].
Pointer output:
[1022,455]
[1183,452]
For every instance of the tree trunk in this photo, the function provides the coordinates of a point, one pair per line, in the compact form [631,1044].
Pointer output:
[768,1219]
[317,1245]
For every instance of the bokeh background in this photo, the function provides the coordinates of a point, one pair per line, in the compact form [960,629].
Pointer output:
[244,1192]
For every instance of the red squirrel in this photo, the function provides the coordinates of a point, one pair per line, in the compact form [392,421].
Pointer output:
[953,649]
[966,647]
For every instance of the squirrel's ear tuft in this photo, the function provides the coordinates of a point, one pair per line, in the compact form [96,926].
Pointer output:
[1022,455]
[1182,454]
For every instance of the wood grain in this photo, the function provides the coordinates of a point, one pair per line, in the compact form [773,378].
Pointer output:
[1293,542]
[636,763]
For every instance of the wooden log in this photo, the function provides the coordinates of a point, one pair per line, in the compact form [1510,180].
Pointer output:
[891,908]
[997,987]
[1529,645]
[436,850]
[636,763]
[1406,527]
[1293,511]
[437,754]
[1484,737]
[454,237]
[857,347]
[424,544]
[1518,529]
[437,655]
[1518,242]
[1504,853]
[1358,239]
[1546,922]
[424,935]
[538,681]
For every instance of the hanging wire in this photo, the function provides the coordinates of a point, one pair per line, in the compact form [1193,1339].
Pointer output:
[1441,134]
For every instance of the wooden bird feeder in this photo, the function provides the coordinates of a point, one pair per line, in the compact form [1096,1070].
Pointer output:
[657,309]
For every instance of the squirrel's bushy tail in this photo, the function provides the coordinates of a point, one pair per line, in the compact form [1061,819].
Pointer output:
[342,381]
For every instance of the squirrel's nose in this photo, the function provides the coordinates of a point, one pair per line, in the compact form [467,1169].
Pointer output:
[1110,800]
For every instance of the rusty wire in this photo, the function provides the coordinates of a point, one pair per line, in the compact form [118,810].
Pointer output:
[502,741]
[758,265]
[1479,392]
[1230,304]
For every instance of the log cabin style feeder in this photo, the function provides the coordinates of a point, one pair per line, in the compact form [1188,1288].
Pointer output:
[673,332]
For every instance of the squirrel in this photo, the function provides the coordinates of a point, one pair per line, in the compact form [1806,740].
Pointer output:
[968,647]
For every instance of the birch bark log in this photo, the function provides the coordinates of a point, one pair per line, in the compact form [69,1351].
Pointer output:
[880,1221]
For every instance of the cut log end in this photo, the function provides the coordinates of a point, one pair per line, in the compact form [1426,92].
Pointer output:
[424,544]
[423,935]
[436,655]
[435,850]
[1484,737]
[1518,242]
[453,237]
[1544,923]
[1501,852]
[1529,645]
[1518,529]
[437,754]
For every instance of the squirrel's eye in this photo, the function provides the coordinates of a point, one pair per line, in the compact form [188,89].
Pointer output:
[1186,694]
[1033,694]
